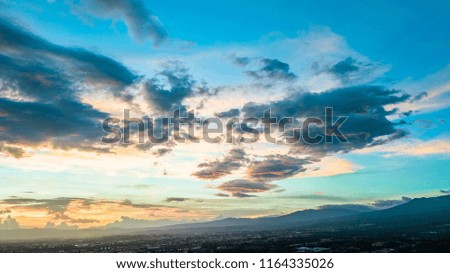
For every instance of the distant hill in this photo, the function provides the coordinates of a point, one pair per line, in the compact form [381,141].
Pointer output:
[296,219]
[419,212]
[415,213]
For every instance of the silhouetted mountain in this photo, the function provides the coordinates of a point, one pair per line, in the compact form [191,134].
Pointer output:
[417,212]
[296,219]
[416,216]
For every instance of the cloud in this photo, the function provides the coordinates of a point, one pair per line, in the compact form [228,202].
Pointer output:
[60,121]
[272,69]
[40,88]
[390,203]
[275,167]
[129,203]
[430,93]
[68,212]
[9,223]
[242,188]
[366,125]
[234,112]
[241,61]
[419,97]
[375,205]
[167,90]
[234,160]
[351,70]
[141,22]
[278,167]
[126,222]
[61,225]
[412,147]
[343,68]
[53,205]
[46,67]
[162,151]
[355,207]
[329,198]
[15,152]
[176,199]
[221,194]
[330,166]
[363,106]
[445,191]
[137,186]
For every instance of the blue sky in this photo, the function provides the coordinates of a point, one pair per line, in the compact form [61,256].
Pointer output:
[78,62]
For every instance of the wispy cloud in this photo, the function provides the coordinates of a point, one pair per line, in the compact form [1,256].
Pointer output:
[141,22]
[412,147]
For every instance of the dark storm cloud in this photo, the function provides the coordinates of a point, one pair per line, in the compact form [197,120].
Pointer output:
[275,167]
[363,106]
[344,67]
[141,22]
[242,188]
[272,69]
[234,160]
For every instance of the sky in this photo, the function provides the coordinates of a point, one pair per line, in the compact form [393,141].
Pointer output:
[66,66]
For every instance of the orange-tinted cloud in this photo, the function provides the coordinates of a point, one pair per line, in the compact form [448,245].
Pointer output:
[87,213]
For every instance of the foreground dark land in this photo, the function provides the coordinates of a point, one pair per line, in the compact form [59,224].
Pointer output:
[422,225]
[305,240]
